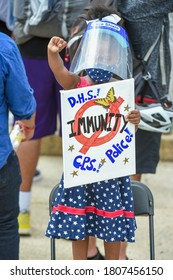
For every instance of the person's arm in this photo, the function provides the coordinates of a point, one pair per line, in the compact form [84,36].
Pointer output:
[66,79]
[21,101]
[19,94]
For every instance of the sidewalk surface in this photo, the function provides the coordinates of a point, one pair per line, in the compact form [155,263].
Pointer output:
[37,246]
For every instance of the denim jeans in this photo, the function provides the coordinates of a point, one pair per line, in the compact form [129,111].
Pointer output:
[10,180]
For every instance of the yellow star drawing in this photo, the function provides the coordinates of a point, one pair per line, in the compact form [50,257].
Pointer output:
[74,173]
[126,160]
[127,108]
[103,161]
[71,148]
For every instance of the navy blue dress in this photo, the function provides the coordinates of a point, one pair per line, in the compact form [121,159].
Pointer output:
[103,209]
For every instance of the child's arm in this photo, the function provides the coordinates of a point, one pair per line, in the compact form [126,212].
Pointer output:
[65,78]
[134,117]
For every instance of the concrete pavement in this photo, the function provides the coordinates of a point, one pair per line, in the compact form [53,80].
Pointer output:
[37,247]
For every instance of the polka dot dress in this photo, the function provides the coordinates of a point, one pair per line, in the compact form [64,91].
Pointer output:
[103,209]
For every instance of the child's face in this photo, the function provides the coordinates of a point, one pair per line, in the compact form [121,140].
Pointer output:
[104,55]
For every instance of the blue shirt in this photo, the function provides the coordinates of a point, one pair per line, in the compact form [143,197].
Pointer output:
[16,94]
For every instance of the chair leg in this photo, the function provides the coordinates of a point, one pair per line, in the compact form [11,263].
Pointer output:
[52,248]
[152,247]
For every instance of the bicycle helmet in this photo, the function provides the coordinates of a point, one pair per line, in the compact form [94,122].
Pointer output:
[155,118]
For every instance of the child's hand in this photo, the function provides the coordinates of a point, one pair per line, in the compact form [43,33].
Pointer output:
[56,44]
[133,117]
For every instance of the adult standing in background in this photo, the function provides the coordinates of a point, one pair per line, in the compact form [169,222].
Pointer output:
[145,21]
[15,95]
[35,24]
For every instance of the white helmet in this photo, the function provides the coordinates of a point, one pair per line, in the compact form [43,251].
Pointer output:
[155,118]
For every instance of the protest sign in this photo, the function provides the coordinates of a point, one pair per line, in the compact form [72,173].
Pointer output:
[98,143]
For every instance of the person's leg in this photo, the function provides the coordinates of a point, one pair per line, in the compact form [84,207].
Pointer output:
[112,250]
[28,153]
[10,180]
[123,249]
[92,248]
[80,249]
[93,251]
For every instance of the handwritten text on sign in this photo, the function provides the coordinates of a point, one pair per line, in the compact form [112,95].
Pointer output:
[98,142]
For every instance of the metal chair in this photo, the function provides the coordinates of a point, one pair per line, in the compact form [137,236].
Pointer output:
[144,206]
[51,201]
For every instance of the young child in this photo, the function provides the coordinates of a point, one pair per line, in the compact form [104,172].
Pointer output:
[104,56]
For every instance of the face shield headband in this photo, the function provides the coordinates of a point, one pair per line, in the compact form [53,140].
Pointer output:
[105,46]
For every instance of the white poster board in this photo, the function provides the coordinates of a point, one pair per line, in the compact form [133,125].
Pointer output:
[98,144]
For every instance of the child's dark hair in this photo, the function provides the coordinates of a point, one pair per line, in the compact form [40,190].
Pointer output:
[100,11]
[89,13]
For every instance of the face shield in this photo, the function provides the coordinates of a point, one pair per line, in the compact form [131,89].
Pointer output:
[105,46]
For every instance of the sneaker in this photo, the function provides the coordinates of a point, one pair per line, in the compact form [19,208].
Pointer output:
[24,223]
[37,176]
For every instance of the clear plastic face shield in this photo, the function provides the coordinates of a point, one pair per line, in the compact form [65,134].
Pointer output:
[104,46]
